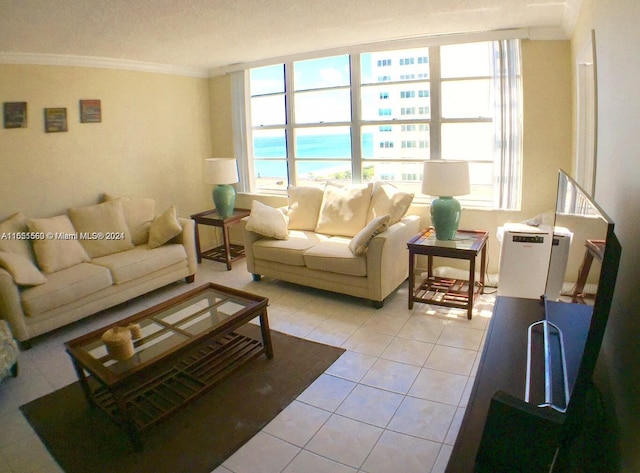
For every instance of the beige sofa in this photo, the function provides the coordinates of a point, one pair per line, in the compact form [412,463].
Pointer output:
[54,271]
[346,239]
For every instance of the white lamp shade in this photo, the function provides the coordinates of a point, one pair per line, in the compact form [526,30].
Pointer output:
[445,178]
[220,171]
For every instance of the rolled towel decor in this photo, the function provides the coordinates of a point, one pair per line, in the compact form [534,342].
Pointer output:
[119,343]
[136,331]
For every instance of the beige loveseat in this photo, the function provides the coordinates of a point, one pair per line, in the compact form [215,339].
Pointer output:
[54,271]
[346,239]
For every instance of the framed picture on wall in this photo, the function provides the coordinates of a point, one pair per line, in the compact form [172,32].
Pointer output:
[55,120]
[90,111]
[15,114]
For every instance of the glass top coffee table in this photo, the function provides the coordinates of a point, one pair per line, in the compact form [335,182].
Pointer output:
[187,345]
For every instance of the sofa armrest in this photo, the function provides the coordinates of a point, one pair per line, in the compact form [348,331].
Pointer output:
[248,238]
[188,239]
[388,257]
[10,306]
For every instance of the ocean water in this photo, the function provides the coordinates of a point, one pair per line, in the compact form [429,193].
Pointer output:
[329,150]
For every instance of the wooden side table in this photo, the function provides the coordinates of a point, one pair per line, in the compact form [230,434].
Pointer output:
[227,252]
[448,292]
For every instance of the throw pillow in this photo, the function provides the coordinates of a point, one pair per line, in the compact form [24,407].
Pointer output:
[11,231]
[388,199]
[23,271]
[164,228]
[359,243]
[101,228]
[267,221]
[304,207]
[59,249]
[138,214]
[344,209]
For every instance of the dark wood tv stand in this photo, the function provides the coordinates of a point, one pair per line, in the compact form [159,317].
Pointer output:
[503,365]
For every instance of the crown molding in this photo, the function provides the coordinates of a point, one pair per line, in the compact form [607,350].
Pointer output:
[100,62]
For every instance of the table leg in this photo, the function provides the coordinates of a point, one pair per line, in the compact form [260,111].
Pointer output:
[483,267]
[198,252]
[266,334]
[227,246]
[412,279]
[82,377]
[472,286]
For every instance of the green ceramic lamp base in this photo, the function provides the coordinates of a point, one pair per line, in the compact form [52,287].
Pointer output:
[224,198]
[445,217]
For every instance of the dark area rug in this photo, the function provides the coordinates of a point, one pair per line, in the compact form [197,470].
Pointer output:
[195,439]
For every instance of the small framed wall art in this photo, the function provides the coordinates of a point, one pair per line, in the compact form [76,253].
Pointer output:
[15,114]
[90,111]
[55,120]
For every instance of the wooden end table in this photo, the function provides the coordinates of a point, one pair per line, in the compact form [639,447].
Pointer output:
[227,252]
[448,292]
[188,344]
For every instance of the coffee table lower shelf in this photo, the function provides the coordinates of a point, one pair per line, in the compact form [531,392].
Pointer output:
[140,404]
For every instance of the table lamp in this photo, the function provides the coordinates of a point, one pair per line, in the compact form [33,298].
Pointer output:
[445,179]
[223,172]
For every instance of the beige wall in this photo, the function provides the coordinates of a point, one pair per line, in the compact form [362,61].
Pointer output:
[618,191]
[547,140]
[154,134]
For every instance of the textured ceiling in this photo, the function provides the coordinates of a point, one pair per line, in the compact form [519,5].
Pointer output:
[210,34]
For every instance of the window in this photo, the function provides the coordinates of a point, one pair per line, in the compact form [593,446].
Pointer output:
[379,115]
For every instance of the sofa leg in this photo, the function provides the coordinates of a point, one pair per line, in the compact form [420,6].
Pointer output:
[25,345]
[190,279]
[377,304]
[256,277]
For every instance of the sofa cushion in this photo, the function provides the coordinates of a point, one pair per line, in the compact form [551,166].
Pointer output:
[22,269]
[290,251]
[344,209]
[138,214]
[103,226]
[359,243]
[10,230]
[304,207]
[65,286]
[388,199]
[59,249]
[334,256]
[140,261]
[267,221]
[165,227]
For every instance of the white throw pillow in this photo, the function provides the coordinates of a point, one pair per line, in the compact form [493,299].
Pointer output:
[23,271]
[138,213]
[359,243]
[267,221]
[344,209]
[10,230]
[304,207]
[58,249]
[102,228]
[388,199]
[164,228]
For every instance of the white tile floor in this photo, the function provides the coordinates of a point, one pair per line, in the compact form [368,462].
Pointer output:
[392,402]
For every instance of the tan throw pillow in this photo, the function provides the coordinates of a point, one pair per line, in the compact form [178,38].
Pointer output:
[59,249]
[388,199]
[23,271]
[359,243]
[267,221]
[344,209]
[101,228]
[138,214]
[164,228]
[304,207]
[12,231]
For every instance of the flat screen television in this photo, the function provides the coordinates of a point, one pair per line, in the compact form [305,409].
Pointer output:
[593,261]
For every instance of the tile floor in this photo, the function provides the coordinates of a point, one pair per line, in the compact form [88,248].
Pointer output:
[392,402]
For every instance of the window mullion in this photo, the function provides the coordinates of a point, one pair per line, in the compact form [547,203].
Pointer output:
[436,107]
[356,119]
[289,126]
